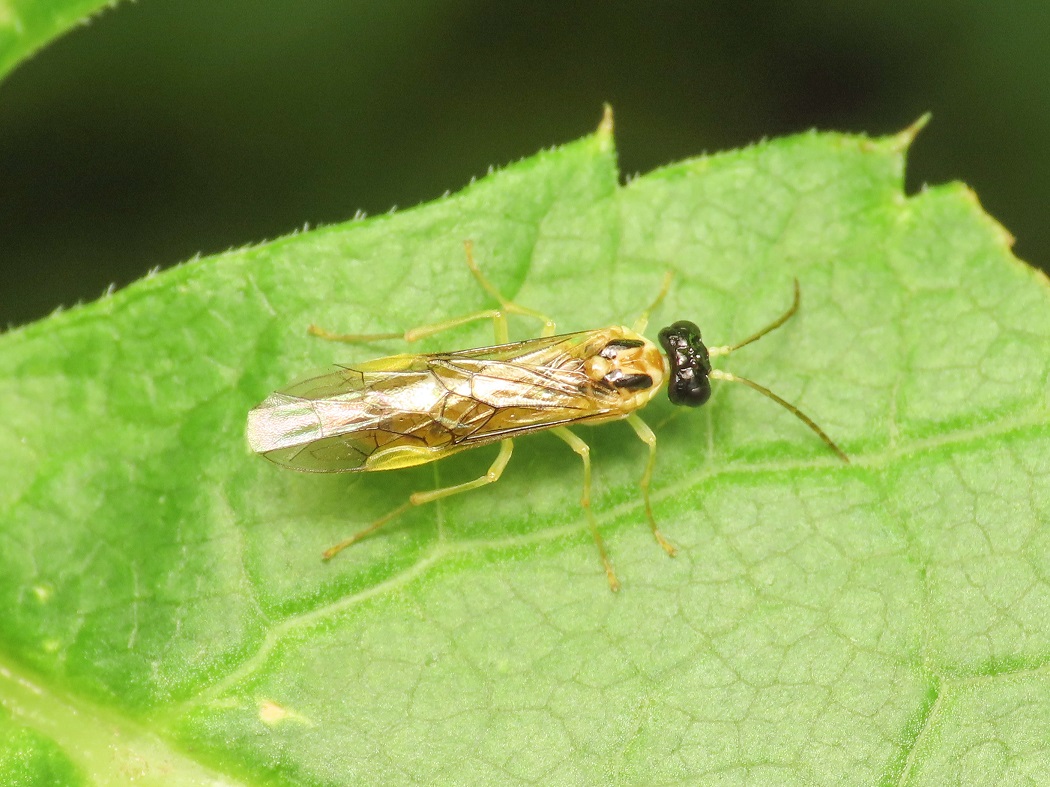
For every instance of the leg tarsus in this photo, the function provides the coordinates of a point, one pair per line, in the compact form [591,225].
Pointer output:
[584,452]
[498,317]
[411,335]
[420,498]
[647,436]
[351,338]
[506,304]
[333,551]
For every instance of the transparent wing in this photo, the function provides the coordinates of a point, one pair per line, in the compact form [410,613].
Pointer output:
[410,409]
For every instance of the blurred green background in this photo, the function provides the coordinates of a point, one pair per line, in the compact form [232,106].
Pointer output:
[171,127]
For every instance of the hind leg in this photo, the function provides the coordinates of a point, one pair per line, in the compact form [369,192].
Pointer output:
[421,498]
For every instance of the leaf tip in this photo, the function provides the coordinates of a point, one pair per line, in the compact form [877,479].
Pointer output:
[902,139]
[605,126]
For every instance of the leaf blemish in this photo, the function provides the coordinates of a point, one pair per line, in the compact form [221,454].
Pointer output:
[271,713]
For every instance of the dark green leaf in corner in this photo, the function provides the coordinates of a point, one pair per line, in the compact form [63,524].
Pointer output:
[885,622]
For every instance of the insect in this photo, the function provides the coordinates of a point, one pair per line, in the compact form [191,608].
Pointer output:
[408,409]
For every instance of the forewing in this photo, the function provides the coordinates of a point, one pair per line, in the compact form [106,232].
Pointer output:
[339,379]
[547,350]
[332,454]
[408,409]
[509,390]
[334,420]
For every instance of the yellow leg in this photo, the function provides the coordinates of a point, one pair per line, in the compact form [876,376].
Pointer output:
[643,318]
[508,306]
[646,435]
[498,316]
[411,335]
[420,498]
[584,450]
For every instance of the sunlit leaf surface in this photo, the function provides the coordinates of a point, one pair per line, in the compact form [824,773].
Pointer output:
[167,615]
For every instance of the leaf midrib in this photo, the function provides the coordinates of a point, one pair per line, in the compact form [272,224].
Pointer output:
[107,748]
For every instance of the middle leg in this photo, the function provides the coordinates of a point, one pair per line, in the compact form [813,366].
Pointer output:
[646,435]
[498,316]
[584,451]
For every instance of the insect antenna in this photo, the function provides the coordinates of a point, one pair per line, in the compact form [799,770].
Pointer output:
[715,351]
[719,374]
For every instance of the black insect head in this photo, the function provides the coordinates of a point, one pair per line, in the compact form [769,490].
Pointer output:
[690,364]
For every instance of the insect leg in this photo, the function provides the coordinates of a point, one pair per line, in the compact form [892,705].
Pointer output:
[498,317]
[420,498]
[584,450]
[643,318]
[506,305]
[495,471]
[411,335]
[646,435]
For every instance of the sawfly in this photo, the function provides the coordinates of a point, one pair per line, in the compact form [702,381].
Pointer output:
[410,409]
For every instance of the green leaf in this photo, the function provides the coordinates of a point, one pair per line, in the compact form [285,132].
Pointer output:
[28,758]
[883,622]
[26,25]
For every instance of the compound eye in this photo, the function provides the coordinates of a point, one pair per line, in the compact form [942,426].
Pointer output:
[689,389]
[681,336]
